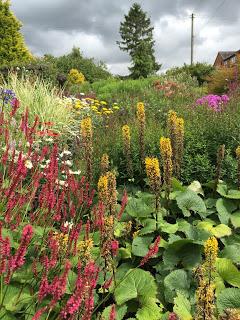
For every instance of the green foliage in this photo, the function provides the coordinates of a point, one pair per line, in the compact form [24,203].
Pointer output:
[200,71]
[12,47]
[137,39]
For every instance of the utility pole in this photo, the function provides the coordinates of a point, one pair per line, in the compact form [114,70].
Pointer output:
[192,36]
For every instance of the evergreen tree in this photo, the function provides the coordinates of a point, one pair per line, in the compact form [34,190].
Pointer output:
[12,47]
[137,39]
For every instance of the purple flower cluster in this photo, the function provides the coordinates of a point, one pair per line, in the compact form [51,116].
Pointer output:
[213,101]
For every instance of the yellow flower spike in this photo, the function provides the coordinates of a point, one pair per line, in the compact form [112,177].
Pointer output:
[103,192]
[126,137]
[86,131]
[104,163]
[238,152]
[141,112]
[166,153]
[211,250]
[153,173]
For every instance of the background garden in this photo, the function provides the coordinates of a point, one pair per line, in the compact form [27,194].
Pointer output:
[119,196]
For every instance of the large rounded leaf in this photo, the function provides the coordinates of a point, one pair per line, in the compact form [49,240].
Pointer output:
[140,245]
[137,208]
[182,307]
[228,272]
[189,201]
[228,299]
[224,208]
[175,281]
[187,252]
[139,284]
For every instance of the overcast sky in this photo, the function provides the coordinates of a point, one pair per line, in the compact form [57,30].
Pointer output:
[55,26]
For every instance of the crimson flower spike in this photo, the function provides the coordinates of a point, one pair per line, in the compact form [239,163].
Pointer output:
[151,252]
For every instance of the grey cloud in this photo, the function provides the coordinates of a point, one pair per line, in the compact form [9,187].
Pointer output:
[56,26]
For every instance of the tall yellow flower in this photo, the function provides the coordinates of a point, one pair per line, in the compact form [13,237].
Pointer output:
[166,153]
[205,293]
[126,137]
[87,136]
[104,163]
[176,132]
[103,191]
[141,129]
[153,173]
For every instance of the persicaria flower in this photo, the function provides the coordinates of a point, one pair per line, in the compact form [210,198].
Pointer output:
[114,247]
[152,251]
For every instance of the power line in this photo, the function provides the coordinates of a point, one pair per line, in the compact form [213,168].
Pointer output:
[214,15]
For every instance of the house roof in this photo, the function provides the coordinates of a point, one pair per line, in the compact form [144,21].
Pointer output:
[226,54]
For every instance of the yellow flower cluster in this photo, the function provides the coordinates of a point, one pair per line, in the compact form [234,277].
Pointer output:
[84,249]
[166,152]
[211,250]
[103,192]
[126,134]
[95,106]
[176,131]
[141,112]
[75,77]
[153,173]
[62,240]
[238,152]
[104,163]
[86,128]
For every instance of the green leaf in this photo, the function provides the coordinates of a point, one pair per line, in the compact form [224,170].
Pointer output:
[137,284]
[16,298]
[149,310]
[224,208]
[125,253]
[120,312]
[228,271]
[230,194]
[228,299]
[196,187]
[235,219]
[166,227]
[182,307]
[189,201]
[140,245]
[149,226]
[231,252]
[138,208]
[221,231]
[175,281]
[185,251]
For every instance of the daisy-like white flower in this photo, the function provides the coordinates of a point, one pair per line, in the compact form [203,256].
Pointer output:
[28,164]
[74,172]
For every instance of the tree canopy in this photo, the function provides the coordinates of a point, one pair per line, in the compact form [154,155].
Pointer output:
[137,39]
[12,47]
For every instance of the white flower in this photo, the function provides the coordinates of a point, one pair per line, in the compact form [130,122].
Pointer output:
[68,163]
[42,166]
[65,153]
[68,224]
[28,164]
[74,172]
[48,139]
[61,183]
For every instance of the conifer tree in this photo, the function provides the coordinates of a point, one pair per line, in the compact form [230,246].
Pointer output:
[12,47]
[137,39]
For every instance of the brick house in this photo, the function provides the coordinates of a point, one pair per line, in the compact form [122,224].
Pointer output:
[227,58]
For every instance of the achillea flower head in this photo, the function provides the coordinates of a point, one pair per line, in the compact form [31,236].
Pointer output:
[153,173]
[166,153]
[104,163]
[126,137]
